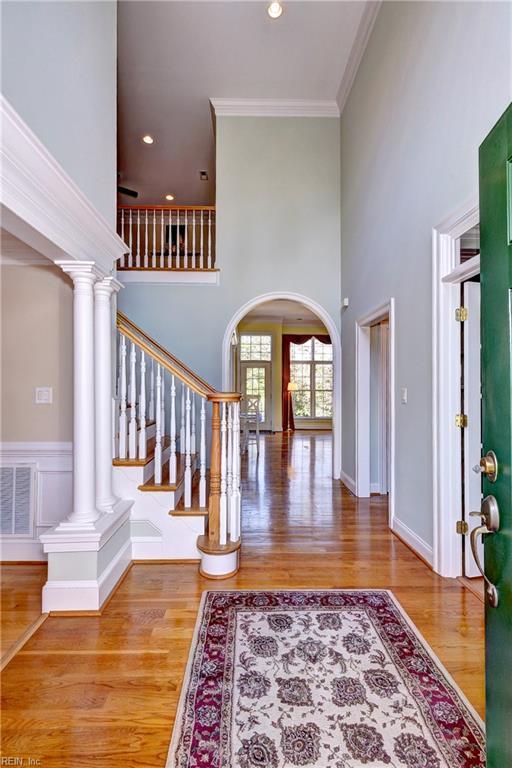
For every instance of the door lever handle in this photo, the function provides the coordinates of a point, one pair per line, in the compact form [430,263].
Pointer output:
[490,517]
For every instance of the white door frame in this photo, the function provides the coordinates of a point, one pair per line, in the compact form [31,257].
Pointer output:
[384,403]
[446,278]
[324,316]
[362,426]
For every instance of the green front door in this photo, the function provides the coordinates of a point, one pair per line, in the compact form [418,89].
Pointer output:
[496,284]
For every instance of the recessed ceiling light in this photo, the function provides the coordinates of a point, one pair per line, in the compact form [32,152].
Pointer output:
[169,197]
[147,139]
[274,10]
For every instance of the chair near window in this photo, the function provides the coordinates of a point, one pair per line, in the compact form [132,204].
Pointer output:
[251,414]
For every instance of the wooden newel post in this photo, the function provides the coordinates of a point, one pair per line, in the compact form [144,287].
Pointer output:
[215,468]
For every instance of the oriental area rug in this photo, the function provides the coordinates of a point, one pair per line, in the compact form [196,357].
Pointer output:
[330,679]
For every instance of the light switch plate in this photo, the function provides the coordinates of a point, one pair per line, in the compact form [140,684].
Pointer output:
[44,395]
[403,395]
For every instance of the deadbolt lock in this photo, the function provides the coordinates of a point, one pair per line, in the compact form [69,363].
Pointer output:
[489,466]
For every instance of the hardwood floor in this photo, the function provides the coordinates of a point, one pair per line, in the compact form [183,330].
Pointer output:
[103,691]
[21,586]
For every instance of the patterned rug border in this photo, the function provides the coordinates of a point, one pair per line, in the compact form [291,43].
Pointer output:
[176,732]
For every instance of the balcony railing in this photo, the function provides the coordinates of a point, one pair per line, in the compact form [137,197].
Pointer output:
[169,238]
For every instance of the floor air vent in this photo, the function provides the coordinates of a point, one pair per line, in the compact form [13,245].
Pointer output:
[15,500]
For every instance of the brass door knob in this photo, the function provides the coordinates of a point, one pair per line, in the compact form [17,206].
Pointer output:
[489,466]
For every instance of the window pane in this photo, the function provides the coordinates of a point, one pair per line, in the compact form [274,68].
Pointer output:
[255,347]
[301,404]
[323,376]
[322,351]
[300,374]
[323,404]
[301,351]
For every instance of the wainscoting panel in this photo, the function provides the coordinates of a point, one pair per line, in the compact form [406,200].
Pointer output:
[50,493]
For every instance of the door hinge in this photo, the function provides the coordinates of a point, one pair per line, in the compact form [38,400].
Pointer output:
[461,314]
[461,420]
[462,527]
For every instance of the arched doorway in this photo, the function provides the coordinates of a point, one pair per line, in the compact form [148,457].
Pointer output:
[328,322]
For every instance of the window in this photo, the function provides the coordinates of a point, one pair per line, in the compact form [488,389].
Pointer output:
[255,347]
[311,371]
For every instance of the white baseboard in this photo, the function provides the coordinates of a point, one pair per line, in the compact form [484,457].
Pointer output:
[348,481]
[416,543]
[19,550]
[375,488]
[86,594]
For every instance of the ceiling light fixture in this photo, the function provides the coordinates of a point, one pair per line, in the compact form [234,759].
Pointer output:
[147,139]
[169,197]
[275,10]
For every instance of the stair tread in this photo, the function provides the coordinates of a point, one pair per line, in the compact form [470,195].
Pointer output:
[150,454]
[194,510]
[165,485]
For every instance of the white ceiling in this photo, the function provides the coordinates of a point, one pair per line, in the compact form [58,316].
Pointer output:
[283,311]
[174,56]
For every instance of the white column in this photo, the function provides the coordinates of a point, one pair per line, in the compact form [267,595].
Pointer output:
[84,512]
[103,291]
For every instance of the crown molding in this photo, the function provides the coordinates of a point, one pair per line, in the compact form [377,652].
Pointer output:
[356,53]
[274,108]
[43,206]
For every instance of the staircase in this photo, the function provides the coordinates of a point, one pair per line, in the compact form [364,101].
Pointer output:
[164,416]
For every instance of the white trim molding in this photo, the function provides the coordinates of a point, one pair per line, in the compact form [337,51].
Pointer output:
[42,205]
[356,54]
[415,542]
[447,275]
[324,316]
[349,482]
[362,389]
[274,108]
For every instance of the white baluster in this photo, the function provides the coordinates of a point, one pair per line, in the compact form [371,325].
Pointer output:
[137,257]
[132,429]
[229,471]
[177,264]
[235,497]
[185,265]
[142,408]
[151,409]
[223,532]
[114,427]
[202,457]
[169,255]
[162,423]
[146,249]
[130,236]
[188,458]
[162,261]
[123,237]
[193,426]
[193,239]
[172,458]
[123,426]
[201,242]
[182,425]
[209,239]
[153,258]
[158,434]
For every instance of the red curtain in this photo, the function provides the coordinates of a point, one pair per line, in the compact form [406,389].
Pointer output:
[292,338]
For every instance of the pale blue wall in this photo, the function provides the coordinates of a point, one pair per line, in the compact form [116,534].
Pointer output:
[58,70]
[433,80]
[278,225]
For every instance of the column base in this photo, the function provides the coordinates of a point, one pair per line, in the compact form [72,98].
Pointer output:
[78,525]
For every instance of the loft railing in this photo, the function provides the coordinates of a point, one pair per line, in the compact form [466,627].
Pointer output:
[155,388]
[167,237]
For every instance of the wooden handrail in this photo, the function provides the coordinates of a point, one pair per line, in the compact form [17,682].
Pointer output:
[172,363]
[166,207]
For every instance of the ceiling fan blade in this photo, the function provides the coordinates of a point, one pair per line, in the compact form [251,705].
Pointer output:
[126,191]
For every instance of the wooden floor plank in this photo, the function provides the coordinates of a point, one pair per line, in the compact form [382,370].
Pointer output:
[103,691]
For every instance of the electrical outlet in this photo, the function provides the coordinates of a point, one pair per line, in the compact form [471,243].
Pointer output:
[44,395]
[403,395]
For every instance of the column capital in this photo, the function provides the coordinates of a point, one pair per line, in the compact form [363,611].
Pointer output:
[80,270]
[106,286]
